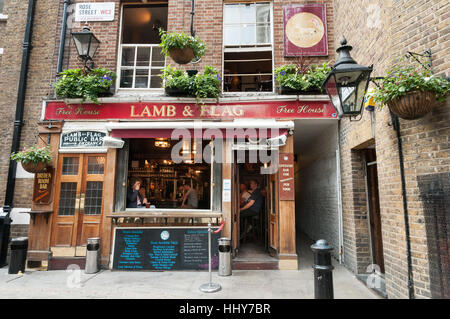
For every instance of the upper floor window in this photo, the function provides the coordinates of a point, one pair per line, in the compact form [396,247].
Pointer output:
[141,60]
[2,3]
[248,47]
[247,24]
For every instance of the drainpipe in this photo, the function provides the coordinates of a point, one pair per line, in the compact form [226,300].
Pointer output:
[18,121]
[192,18]
[339,195]
[62,39]
[396,125]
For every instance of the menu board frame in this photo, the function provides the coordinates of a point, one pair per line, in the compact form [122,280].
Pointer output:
[178,264]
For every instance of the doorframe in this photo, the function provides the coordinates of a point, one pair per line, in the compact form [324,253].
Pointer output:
[370,213]
[82,179]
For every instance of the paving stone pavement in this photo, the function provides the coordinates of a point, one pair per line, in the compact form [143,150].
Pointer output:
[246,284]
[242,284]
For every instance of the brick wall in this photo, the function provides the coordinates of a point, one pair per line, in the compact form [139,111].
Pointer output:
[38,82]
[11,38]
[380,31]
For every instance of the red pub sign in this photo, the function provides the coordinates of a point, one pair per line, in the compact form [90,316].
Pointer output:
[185,111]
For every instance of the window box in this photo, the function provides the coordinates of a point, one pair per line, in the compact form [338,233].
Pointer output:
[284,90]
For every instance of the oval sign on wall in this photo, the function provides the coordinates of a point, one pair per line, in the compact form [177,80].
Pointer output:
[305,29]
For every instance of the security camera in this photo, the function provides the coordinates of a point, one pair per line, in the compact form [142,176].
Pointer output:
[277,141]
[113,142]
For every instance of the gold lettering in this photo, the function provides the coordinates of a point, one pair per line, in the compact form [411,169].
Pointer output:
[132,112]
[238,110]
[161,112]
[171,110]
[204,110]
[213,111]
[146,112]
[227,110]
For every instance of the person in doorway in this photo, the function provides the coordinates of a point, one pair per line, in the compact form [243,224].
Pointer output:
[245,195]
[134,196]
[254,204]
[190,199]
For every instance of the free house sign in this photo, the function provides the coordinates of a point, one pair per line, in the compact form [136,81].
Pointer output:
[305,30]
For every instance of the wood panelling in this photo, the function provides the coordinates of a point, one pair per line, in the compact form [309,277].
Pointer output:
[106,229]
[40,229]
[287,249]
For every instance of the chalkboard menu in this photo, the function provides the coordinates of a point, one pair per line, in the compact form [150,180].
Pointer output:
[171,248]
[82,139]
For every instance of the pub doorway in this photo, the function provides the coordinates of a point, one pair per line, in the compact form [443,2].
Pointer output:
[254,237]
[78,203]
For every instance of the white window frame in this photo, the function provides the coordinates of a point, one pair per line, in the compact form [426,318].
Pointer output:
[119,62]
[248,48]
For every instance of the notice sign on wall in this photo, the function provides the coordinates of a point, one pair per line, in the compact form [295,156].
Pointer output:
[94,11]
[171,248]
[43,187]
[82,139]
[286,176]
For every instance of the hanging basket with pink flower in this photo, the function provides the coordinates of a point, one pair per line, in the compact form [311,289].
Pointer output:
[411,93]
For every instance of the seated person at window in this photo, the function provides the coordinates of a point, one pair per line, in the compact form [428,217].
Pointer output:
[245,195]
[190,199]
[254,203]
[134,196]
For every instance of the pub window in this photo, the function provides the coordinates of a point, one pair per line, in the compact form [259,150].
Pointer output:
[248,48]
[162,180]
[140,59]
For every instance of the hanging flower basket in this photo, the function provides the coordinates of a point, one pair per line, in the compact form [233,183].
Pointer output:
[413,105]
[182,56]
[34,159]
[32,167]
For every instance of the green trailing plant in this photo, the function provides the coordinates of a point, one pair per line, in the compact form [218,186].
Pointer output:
[295,78]
[75,83]
[202,85]
[180,41]
[33,154]
[405,77]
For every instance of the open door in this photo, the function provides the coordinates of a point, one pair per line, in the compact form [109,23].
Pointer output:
[235,207]
[78,203]
[273,214]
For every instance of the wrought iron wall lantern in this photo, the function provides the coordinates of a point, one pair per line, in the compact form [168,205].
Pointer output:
[87,44]
[347,83]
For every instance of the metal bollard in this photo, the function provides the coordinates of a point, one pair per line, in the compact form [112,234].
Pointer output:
[224,256]
[323,270]
[211,286]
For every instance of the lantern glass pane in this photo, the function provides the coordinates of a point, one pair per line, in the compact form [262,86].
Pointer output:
[348,94]
[332,90]
[362,87]
[82,43]
[344,78]
[94,46]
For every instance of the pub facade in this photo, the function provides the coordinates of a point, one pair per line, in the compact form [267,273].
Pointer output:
[122,165]
[101,149]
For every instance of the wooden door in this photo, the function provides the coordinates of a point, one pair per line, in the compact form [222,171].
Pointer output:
[78,202]
[235,205]
[374,209]
[273,214]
